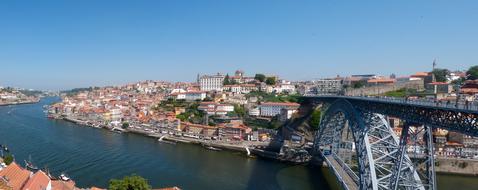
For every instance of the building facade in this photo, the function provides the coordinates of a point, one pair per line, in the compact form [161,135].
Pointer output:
[211,82]
[271,109]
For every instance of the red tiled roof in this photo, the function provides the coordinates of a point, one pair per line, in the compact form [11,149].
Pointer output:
[62,185]
[381,81]
[39,181]
[420,74]
[15,175]
[95,188]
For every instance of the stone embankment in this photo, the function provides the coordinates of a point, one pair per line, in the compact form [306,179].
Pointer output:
[457,166]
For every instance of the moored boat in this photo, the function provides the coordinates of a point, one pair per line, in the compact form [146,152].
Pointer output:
[64,177]
[212,148]
[29,165]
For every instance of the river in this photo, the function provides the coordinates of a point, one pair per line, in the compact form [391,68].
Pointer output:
[93,156]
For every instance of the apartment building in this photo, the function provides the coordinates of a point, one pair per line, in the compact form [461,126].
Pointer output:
[271,109]
[211,82]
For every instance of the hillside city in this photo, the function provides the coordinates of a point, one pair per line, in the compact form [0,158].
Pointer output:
[239,108]
[233,111]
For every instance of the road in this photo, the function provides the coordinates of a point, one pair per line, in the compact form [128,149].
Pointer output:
[347,179]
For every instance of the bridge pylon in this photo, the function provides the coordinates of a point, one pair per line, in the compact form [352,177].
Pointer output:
[365,153]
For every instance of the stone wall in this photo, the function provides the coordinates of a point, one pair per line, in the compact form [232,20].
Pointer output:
[380,89]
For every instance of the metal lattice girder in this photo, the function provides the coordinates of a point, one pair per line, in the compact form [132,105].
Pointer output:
[381,156]
[430,162]
[449,118]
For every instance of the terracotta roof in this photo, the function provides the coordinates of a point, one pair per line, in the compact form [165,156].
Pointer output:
[469,90]
[451,143]
[381,81]
[39,181]
[15,175]
[95,188]
[420,74]
[62,185]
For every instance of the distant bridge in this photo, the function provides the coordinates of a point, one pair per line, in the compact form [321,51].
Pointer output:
[361,148]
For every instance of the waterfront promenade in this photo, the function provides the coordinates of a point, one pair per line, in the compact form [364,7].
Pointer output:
[92,156]
[19,102]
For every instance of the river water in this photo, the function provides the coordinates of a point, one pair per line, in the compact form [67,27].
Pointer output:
[93,156]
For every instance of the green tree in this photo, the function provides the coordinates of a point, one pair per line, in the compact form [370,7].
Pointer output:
[260,77]
[239,110]
[441,74]
[274,123]
[227,80]
[472,73]
[133,182]
[359,84]
[458,81]
[125,125]
[8,159]
[315,119]
[271,80]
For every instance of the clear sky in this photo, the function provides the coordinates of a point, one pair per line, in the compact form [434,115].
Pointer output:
[65,44]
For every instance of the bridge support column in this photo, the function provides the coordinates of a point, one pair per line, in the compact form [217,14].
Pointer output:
[400,154]
[430,162]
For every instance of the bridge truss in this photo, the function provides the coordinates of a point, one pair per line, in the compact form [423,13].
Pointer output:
[371,156]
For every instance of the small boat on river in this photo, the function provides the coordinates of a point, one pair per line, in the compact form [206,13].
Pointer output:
[29,165]
[213,148]
[64,177]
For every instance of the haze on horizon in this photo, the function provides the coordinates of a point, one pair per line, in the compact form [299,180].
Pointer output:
[56,44]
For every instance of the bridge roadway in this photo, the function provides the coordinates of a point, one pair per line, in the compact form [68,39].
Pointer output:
[459,117]
[457,106]
[344,177]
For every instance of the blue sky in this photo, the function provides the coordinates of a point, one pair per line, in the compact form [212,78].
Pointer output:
[65,44]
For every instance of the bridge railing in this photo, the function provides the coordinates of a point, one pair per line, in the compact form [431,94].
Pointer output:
[347,169]
[336,172]
[471,105]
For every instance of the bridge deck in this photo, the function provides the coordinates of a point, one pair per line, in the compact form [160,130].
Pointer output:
[456,106]
[340,172]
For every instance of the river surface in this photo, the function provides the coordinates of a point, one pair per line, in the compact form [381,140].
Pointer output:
[93,156]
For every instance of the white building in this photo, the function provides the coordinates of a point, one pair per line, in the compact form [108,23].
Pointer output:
[211,82]
[326,86]
[240,88]
[189,96]
[213,108]
[116,114]
[271,109]
[286,113]
[254,112]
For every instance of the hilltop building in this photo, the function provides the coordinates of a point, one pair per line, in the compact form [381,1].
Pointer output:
[211,82]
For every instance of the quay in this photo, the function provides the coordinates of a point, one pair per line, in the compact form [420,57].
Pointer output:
[19,103]
[231,146]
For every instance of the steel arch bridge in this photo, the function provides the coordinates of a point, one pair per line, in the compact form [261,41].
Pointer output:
[358,144]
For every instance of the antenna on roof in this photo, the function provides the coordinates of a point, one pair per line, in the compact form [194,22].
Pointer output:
[434,64]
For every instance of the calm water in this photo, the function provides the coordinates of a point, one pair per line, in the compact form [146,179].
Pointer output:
[93,156]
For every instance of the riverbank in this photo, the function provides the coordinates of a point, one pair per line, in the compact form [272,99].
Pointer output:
[19,103]
[249,148]
[457,166]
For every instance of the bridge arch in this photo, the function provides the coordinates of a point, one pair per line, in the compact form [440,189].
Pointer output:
[376,148]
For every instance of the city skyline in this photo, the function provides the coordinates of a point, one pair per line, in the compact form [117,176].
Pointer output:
[61,45]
